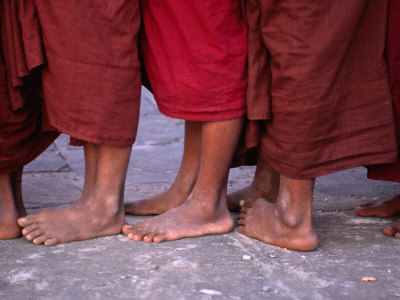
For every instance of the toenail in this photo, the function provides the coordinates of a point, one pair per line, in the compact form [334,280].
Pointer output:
[28,237]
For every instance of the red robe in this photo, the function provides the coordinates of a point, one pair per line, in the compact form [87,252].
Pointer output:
[194,54]
[391,172]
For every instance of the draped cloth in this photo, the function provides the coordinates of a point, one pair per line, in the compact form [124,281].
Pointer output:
[194,54]
[391,172]
[91,79]
[71,67]
[24,129]
[318,97]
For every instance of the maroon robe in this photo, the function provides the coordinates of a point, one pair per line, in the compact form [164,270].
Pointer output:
[24,131]
[91,79]
[391,172]
[318,97]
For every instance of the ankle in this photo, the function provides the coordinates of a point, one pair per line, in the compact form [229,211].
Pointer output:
[184,184]
[208,204]
[293,218]
[108,205]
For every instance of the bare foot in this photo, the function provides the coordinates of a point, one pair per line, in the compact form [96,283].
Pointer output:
[252,191]
[393,230]
[99,212]
[188,220]
[205,211]
[261,220]
[171,198]
[265,185]
[380,208]
[183,183]
[157,204]
[81,221]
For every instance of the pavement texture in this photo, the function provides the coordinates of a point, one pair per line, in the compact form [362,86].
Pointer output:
[229,266]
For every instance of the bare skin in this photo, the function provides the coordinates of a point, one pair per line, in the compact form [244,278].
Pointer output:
[191,219]
[11,205]
[183,183]
[380,208]
[287,223]
[393,230]
[99,212]
[205,211]
[265,185]
[383,209]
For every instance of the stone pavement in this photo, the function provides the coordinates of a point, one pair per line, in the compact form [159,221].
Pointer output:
[210,267]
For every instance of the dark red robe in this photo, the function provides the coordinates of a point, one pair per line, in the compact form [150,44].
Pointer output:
[391,172]
[91,79]
[24,130]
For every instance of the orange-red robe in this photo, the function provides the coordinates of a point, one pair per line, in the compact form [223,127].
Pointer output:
[318,97]
[391,172]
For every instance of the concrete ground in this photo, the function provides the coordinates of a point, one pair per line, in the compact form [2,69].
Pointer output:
[210,267]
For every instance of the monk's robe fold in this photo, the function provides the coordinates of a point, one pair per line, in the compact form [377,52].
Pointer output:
[391,172]
[194,54]
[318,97]
[91,79]
[24,132]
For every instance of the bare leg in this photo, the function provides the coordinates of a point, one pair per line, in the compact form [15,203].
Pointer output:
[184,181]
[380,208]
[100,214]
[92,153]
[205,211]
[287,223]
[16,184]
[265,185]
[9,228]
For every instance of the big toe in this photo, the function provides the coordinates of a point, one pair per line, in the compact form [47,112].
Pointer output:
[25,221]
[126,229]
[390,230]
[367,204]
[364,211]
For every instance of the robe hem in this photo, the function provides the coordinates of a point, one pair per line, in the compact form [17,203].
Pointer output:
[385,172]
[331,167]
[205,116]
[94,140]
[44,143]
